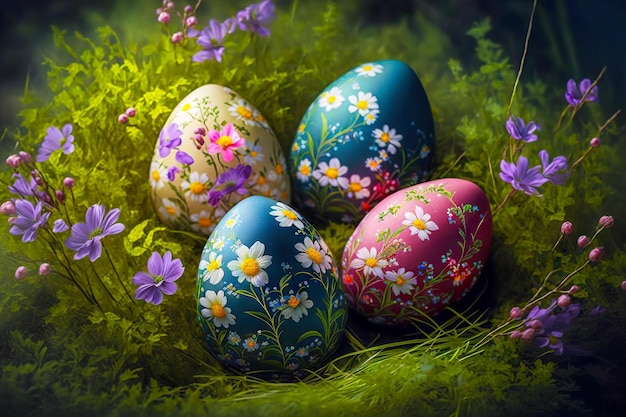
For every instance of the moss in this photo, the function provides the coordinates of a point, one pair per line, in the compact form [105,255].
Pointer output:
[63,353]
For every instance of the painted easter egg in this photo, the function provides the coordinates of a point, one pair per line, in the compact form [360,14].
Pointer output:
[368,134]
[214,150]
[419,250]
[269,299]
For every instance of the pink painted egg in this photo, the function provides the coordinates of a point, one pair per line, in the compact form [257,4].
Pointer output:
[418,250]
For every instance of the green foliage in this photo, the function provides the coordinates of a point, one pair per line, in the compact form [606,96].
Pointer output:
[65,353]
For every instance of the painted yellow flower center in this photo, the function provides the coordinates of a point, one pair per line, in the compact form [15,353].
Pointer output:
[362,105]
[196,187]
[186,107]
[385,137]
[419,224]
[332,99]
[279,169]
[373,164]
[204,222]
[251,343]
[367,67]
[254,154]
[250,267]
[332,173]
[305,170]
[155,175]
[314,255]
[170,210]
[290,214]
[230,223]
[371,262]
[260,117]
[244,112]
[217,310]
[355,187]
[261,180]
[300,129]
[400,280]
[224,141]
[293,302]
[213,265]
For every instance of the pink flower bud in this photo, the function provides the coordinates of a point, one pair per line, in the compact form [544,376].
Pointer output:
[164,17]
[515,313]
[44,269]
[159,11]
[582,241]
[191,21]
[595,254]
[574,289]
[563,301]
[25,157]
[177,37]
[10,220]
[528,335]
[122,118]
[595,142]
[199,131]
[567,228]
[606,221]
[170,5]
[21,272]
[13,161]
[7,208]
[60,195]
[188,9]
[131,112]
[37,177]
[623,285]
[68,182]
[535,324]
[515,334]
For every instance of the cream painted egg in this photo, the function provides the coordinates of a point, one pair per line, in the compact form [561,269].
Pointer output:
[214,150]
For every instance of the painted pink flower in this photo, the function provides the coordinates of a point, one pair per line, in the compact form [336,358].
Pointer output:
[225,142]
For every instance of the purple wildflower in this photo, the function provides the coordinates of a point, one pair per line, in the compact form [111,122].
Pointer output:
[575,93]
[169,138]
[171,172]
[59,226]
[29,219]
[256,17]
[211,39]
[56,139]
[554,325]
[520,177]
[554,171]
[86,237]
[215,196]
[159,280]
[23,187]
[234,179]
[184,158]
[521,131]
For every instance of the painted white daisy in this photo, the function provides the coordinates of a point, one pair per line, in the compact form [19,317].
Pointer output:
[297,306]
[363,103]
[203,222]
[218,244]
[419,223]
[157,175]
[388,138]
[214,272]
[331,99]
[331,173]
[276,174]
[259,119]
[313,255]
[371,117]
[358,187]
[243,111]
[215,309]
[232,222]
[373,164]
[403,281]
[169,209]
[369,70]
[195,187]
[366,259]
[253,153]
[286,216]
[250,264]
[304,170]
[188,112]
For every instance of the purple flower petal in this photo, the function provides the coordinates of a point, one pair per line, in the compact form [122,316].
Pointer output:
[142,278]
[59,226]
[155,264]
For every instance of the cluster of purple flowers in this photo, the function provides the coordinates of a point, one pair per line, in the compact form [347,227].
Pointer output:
[36,201]
[169,140]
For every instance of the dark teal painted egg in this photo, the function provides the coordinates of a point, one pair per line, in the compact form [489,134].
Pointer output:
[269,299]
[366,135]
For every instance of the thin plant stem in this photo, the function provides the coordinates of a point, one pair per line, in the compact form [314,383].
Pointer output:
[521,66]
[117,274]
[102,282]
[508,196]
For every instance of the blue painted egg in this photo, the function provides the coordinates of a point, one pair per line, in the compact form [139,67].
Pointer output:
[366,135]
[269,299]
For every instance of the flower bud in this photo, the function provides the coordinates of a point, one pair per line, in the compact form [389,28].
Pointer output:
[595,142]
[188,9]
[13,161]
[606,221]
[20,273]
[10,220]
[177,37]
[159,11]
[122,118]
[582,241]
[595,254]
[68,182]
[535,324]
[131,112]
[199,131]
[623,285]
[44,269]
[38,180]
[25,157]
[191,21]
[515,313]
[528,335]
[7,208]
[164,17]
[515,334]
[563,301]
[170,5]
[573,289]
[60,195]
[567,228]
